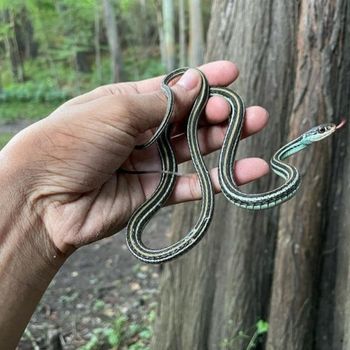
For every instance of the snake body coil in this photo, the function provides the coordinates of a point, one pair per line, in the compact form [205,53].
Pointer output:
[148,209]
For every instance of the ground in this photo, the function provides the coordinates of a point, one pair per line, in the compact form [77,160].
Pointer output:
[102,298]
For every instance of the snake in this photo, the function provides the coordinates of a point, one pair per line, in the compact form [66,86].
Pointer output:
[229,187]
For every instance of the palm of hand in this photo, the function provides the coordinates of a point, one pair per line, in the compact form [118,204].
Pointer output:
[93,200]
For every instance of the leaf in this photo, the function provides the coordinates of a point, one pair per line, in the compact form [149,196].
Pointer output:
[145,334]
[113,337]
[262,327]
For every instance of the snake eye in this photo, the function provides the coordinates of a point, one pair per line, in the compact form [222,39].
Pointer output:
[322,129]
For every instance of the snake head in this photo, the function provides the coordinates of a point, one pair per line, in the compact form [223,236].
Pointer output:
[319,132]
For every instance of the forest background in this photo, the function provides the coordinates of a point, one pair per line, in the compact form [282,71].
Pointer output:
[52,50]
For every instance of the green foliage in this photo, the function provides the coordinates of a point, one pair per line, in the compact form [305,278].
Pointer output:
[11,111]
[40,95]
[5,30]
[122,333]
[5,138]
[32,92]
[137,23]
[126,5]
[61,30]
[137,67]
[62,27]
[5,4]
[98,305]
[260,329]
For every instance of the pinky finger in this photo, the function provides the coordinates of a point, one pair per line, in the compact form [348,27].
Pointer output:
[187,187]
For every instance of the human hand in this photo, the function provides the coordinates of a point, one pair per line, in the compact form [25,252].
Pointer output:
[71,157]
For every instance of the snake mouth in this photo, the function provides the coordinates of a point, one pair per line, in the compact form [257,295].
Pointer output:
[341,124]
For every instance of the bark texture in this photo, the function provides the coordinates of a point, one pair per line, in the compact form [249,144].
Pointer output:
[333,318]
[277,265]
[320,49]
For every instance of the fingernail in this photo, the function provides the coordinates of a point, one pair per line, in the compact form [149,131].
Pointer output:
[189,80]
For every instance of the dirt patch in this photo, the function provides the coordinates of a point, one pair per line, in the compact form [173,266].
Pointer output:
[98,284]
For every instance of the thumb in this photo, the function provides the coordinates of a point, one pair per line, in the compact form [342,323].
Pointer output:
[147,110]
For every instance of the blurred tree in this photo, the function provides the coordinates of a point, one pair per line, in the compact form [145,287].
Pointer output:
[196,47]
[98,46]
[160,26]
[274,264]
[182,33]
[169,33]
[10,36]
[113,40]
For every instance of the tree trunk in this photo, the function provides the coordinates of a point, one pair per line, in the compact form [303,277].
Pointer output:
[24,34]
[296,67]
[113,41]
[196,49]
[169,33]
[182,33]
[299,248]
[13,48]
[222,286]
[143,33]
[160,27]
[333,323]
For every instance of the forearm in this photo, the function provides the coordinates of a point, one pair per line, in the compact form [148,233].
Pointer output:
[28,260]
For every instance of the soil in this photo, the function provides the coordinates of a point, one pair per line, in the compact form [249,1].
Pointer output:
[98,284]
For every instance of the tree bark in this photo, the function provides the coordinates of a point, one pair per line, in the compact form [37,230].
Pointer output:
[333,324]
[266,264]
[113,41]
[222,286]
[302,226]
[196,47]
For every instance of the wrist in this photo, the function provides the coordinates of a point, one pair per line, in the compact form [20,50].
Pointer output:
[28,258]
[22,233]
